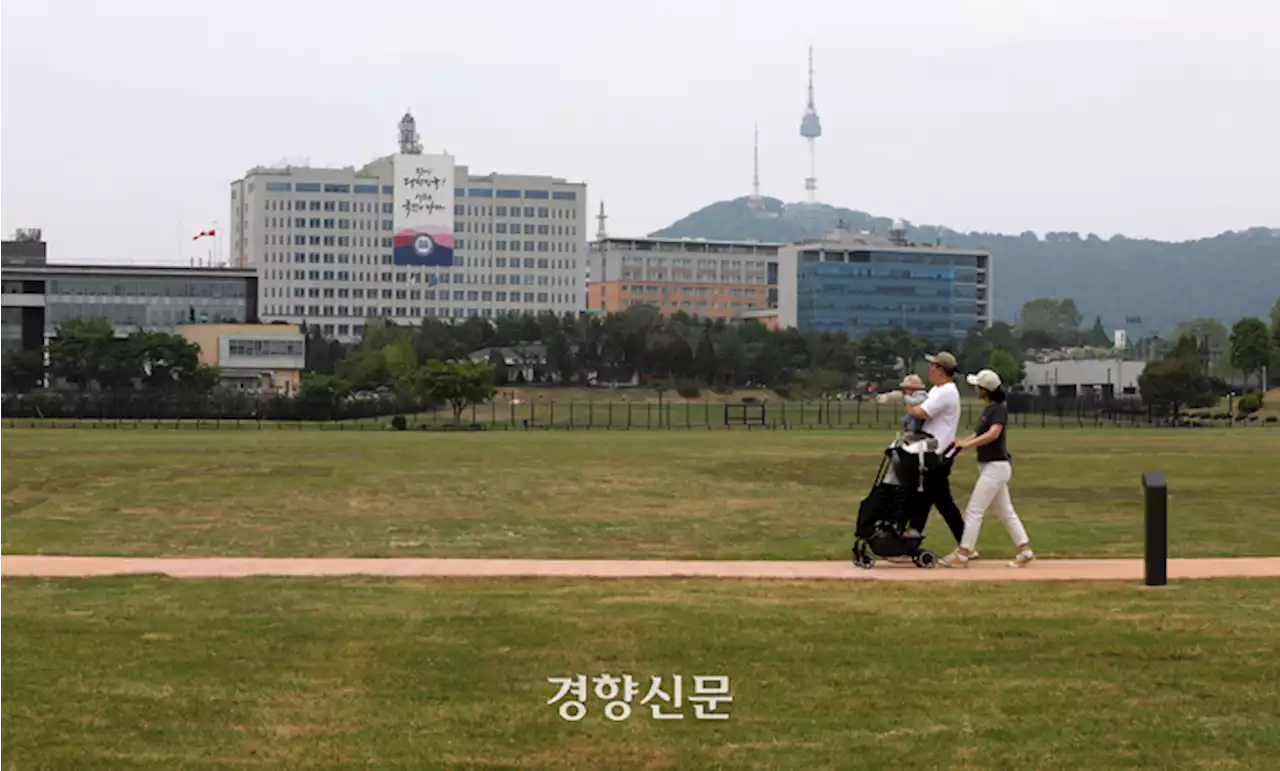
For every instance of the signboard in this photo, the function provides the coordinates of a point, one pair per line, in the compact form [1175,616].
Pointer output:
[423,210]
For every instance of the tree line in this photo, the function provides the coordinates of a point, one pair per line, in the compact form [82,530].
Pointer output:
[398,367]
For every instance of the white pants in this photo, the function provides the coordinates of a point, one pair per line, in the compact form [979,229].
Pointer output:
[992,488]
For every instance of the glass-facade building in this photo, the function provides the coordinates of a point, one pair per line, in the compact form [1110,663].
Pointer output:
[151,299]
[857,288]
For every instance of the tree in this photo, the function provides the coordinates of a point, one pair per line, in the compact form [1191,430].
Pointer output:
[23,371]
[560,358]
[321,395]
[1005,337]
[501,375]
[460,383]
[1250,347]
[1011,372]
[706,363]
[366,369]
[1097,336]
[1275,322]
[879,357]
[1050,319]
[1177,379]
[86,352]
[766,367]
[1209,330]
[401,361]
[166,361]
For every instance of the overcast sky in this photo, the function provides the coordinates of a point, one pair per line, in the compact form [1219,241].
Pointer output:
[123,122]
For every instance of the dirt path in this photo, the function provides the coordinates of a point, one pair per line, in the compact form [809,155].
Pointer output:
[984,570]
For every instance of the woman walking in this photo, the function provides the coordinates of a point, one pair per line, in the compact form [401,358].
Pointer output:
[994,472]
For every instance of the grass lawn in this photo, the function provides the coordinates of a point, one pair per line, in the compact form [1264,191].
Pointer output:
[149,673]
[708,494]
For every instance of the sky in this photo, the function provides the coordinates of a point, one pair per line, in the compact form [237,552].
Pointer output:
[123,123]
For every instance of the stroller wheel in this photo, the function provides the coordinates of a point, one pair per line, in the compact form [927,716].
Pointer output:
[926,559]
[865,561]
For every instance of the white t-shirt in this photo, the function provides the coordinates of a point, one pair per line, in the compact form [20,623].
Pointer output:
[943,406]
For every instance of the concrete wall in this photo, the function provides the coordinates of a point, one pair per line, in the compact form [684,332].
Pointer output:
[1120,375]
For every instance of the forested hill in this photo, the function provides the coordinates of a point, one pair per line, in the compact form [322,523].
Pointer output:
[1225,277]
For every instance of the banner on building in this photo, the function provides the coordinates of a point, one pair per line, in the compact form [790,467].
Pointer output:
[423,221]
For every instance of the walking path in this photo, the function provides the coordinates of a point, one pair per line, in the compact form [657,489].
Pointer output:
[983,570]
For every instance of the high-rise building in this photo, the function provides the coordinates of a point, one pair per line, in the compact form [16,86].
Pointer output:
[321,241]
[709,279]
[858,282]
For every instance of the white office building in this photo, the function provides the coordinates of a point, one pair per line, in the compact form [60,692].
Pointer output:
[321,242]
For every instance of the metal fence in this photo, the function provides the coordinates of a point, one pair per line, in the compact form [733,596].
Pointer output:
[680,416]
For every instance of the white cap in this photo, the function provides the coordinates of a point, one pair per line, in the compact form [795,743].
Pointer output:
[985,379]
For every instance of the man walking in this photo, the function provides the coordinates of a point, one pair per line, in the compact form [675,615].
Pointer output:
[941,415]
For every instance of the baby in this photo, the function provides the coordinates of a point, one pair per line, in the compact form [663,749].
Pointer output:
[913,392]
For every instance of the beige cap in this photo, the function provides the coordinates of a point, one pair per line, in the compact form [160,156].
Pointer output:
[986,379]
[942,359]
[912,381]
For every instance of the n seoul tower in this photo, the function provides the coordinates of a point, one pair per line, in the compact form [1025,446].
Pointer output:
[811,129]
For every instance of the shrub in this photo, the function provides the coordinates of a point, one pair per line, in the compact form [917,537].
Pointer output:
[783,392]
[1250,403]
[399,423]
[690,391]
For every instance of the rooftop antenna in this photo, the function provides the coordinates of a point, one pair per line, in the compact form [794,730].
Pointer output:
[600,218]
[756,201]
[409,144]
[811,129]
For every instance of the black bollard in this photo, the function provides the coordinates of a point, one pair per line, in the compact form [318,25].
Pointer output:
[1156,498]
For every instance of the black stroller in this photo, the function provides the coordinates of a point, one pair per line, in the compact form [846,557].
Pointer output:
[884,516]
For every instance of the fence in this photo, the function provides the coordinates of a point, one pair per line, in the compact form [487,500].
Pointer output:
[677,416]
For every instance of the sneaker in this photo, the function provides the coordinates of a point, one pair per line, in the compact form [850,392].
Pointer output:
[954,560]
[1023,559]
[973,555]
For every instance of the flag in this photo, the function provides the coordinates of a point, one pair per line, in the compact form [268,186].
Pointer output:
[204,233]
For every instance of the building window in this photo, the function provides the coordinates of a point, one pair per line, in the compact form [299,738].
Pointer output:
[544,212]
[508,194]
[366,189]
[540,194]
[564,195]
[307,187]
[336,187]
[528,211]
[279,187]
